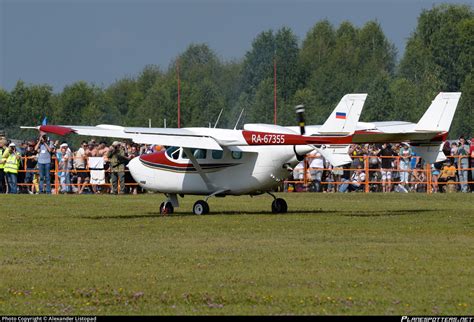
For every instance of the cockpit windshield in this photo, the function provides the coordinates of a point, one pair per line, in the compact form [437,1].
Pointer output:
[173,152]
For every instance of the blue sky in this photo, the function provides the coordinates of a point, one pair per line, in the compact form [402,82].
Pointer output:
[61,42]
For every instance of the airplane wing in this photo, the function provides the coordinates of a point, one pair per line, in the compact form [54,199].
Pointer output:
[161,136]
[201,138]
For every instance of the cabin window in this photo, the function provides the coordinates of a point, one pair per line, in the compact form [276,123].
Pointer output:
[217,154]
[237,155]
[198,154]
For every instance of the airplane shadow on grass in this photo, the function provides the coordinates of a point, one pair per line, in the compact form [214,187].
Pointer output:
[371,213]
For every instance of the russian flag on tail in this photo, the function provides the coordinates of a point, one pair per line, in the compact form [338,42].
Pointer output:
[341,115]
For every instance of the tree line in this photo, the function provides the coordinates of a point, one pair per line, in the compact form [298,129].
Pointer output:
[330,62]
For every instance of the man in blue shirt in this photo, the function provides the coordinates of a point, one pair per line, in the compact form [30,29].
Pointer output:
[44,149]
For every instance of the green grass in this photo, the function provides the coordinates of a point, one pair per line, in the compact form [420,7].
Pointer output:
[332,254]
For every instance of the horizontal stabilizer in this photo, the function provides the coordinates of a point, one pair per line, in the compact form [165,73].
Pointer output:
[336,155]
[430,153]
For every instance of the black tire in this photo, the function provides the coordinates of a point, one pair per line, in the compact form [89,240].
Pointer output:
[166,208]
[200,207]
[279,206]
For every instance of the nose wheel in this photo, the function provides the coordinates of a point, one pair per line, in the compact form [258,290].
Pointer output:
[201,207]
[166,208]
[279,206]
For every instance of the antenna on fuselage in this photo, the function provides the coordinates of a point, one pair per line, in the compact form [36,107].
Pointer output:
[300,115]
[236,123]
[218,118]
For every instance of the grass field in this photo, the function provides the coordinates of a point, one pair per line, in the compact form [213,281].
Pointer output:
[337,254]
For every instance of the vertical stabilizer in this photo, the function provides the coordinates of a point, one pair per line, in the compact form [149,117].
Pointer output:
[439,115]
[344,118]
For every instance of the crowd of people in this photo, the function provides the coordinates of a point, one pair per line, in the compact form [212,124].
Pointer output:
[94,167]
[387,168]
[43,166]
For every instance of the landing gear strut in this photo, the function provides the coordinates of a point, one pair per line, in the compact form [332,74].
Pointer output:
[167,207]
[279,205]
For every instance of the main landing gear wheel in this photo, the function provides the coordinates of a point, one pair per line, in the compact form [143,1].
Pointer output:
[166,208]
[279,206]
[200,207]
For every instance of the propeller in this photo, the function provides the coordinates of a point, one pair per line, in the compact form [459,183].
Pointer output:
[300,118]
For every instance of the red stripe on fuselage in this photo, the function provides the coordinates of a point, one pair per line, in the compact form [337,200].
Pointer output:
[265,138]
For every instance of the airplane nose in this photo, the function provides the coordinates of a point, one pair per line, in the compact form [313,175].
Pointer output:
[134,166]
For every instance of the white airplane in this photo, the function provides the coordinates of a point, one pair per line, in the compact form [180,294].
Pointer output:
[425,137]
[220,162]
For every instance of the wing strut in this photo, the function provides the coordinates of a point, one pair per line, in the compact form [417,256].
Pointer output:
[196,164]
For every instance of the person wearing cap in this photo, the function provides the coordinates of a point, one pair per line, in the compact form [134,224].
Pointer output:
[64,158]
[117,159]
[12,165]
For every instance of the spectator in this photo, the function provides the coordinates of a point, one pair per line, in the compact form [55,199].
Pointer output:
[435,172]
[96,166]
[386,154]
[447,148]
[374,169]
[133,153]
[356,181]
[447,176]
[12,165]
[357,154]
[3,144]
[337,174]
[405,157]
[102,149]
[64,157]
[299,175]
[31,162]
[44,148]
[328,176]
[80,159]
[117,159]
[417,174]
[454,153]
[471,153]
[316,168]
[463,165]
